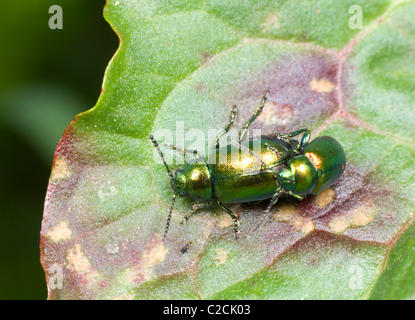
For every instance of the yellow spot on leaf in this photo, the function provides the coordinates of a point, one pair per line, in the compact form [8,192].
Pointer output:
[307,227]
[288,213]
[338,225]
[132,275]
[79,263]
[60,232]
[322,86]
[302,224]
[154,256]
[362,216]
[268,115]
[325,197]
[225,221]
[124,297]
[285,212]
[359,217]
[60,170]
[221,256]
[272,22]
[149,259]
[77,260]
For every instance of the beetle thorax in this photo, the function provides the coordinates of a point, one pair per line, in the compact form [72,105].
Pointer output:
[286,178]
[193,181]
[304,173]
[178,183]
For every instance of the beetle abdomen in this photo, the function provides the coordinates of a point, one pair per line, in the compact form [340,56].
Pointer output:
[328,157]
[239,176]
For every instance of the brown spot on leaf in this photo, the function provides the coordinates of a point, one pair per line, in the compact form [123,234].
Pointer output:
[205,57]
[292,103]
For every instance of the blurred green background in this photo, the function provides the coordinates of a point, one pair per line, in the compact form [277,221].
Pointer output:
[47,78]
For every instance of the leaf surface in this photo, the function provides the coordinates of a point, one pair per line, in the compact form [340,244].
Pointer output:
[179,70]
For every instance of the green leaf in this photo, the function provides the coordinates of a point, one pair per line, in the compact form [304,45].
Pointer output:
[179,69]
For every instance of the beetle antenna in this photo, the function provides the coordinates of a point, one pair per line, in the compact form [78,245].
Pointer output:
[161,156]
[173,199]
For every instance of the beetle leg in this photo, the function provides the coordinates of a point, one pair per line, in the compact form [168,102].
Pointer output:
[297,196]
[305,139]
[271,148]
[195,207]
[228,126]
[173,199]
[234,216]
[254,116]
[274,200]
[243,148]
[287,137]
[272,169]
[283,156]
[283,136]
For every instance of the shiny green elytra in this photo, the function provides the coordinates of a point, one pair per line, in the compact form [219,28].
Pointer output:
[257,169]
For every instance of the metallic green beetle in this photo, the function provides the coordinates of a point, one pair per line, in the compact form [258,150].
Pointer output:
[283,166]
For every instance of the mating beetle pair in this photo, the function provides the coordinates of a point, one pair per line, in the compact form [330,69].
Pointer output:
[283,166]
